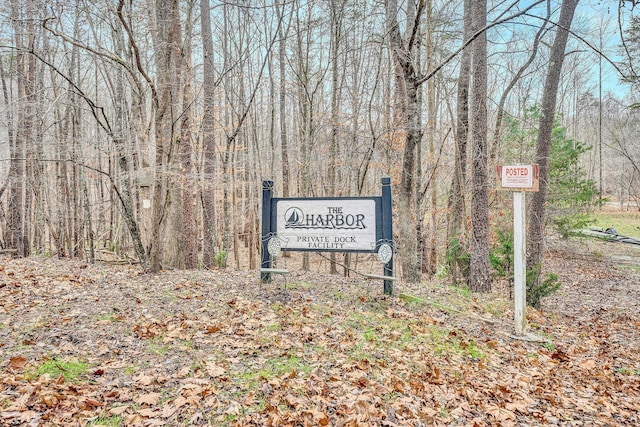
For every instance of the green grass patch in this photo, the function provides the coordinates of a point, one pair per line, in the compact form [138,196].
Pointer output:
[302,285]
[625,223]
[376,333]
[156,345]
[103,420]
[71,369]
[274,327]
[110,317]
[284,366]
[273,368]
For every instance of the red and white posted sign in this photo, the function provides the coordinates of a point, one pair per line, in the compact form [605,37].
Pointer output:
[518,178]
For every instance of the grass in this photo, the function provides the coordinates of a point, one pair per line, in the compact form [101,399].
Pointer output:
[301,285]
[71,370]
[625,223]
[109,317]
[157,346]
[275,367]
[376,332]
[103,420]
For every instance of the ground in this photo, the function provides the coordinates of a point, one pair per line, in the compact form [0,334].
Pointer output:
[84,344]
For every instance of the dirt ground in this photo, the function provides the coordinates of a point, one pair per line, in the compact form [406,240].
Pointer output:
[217,348]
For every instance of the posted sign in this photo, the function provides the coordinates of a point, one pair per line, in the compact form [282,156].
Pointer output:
[518,178]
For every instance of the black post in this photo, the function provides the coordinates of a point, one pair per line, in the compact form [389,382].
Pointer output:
[267,194]
[387,230]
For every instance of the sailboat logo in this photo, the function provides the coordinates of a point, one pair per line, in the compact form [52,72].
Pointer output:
[293,217]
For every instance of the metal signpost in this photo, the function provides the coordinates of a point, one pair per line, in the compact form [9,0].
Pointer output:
[519,179]
[336,224]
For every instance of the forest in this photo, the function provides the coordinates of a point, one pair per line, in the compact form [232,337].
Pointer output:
[135,138]
[143,130]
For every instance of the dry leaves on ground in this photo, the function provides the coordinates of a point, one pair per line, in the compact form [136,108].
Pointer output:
[215,348]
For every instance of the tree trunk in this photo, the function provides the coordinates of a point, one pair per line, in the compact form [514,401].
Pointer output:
[167,50]
[208,137]
[282,106]
[407,77]
[337,10]
[431,258]
[186,155]
[479,264]
[456,202]
[535,236]
[18,204]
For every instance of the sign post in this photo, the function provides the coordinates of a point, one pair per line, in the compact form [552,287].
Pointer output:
[267,195]
[519,263]
[519,179]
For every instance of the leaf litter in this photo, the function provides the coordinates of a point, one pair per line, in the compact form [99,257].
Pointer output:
[216,348]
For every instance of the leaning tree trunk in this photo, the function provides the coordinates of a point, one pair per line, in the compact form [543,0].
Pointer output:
[535,236]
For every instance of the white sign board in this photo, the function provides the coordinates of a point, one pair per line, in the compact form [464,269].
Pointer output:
[327,224]
[518,178]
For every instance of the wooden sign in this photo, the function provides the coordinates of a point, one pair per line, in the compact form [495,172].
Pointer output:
[518,178]
[328,224]
[336,224]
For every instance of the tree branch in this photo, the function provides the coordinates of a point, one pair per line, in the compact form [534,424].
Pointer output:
[136,51]
[475,36]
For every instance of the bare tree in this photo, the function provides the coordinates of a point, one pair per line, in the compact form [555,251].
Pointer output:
[404,51]
[456,202]
[25,79]
[187,209]
[167,89]
[535,234]
[207,189]
[479,263]
[495,145]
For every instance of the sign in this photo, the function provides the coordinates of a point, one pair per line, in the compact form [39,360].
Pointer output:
[518,178]
[340,224]
[324,224]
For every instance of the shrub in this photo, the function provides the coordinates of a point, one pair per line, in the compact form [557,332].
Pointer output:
[458,260]
[220,259]
[501,257]
[538,288]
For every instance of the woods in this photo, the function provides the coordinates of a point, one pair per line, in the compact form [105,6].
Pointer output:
[143,130]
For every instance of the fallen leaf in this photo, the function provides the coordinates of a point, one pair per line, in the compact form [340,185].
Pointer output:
[214,370]
[560,355]
[148,399]
[17,364]
[119,410]
[588,364]
[500,414]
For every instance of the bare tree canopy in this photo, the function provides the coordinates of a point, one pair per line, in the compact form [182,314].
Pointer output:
[143,130]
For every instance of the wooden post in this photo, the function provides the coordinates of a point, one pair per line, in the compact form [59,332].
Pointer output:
[519,263]
[387,230]
[267,195]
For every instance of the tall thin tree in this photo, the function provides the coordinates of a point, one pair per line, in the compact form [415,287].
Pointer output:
[535,235]
[479,263]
